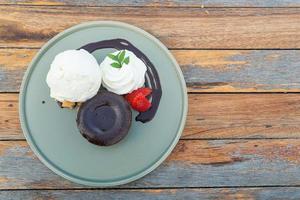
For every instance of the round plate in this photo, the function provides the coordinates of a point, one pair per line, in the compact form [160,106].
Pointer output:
[52,132]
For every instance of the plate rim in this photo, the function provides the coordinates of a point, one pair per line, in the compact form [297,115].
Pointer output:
[44,158]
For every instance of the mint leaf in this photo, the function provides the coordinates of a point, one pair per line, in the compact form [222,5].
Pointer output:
[118,55]
[113,57]
[121,57]
[126,60]
[116,65]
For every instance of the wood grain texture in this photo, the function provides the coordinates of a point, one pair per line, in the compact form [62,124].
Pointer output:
[240,71]
[194,163]
[210,116]
[286,193]
[243,116]
[9,117]
[217,28]
[204,70]
[158,3]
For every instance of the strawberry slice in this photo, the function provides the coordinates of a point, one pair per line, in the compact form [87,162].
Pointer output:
[141,103]
[137,99]
[145,91]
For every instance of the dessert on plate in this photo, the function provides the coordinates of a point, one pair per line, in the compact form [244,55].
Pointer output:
[105,119]
[74,77]
[123,72]
[128,78]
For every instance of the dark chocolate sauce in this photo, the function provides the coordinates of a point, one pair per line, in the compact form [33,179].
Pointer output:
[152,78]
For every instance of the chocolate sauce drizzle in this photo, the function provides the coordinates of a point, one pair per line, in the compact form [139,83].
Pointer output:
[151,77]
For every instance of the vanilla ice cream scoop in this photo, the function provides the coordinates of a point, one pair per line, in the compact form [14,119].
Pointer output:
[74,76]
[122,80]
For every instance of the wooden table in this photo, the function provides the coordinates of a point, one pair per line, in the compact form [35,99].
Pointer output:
[241,62]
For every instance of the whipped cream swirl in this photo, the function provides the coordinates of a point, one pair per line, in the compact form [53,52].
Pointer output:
[123,80]
[74,76]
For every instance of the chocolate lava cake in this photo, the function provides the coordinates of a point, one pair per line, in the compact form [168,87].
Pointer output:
[105,119]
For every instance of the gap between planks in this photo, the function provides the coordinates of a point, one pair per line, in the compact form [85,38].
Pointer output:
[147,6]
[151,188]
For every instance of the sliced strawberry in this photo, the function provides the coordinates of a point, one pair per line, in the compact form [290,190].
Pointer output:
[145,91]
[141,103]
[129,97]
[138,100]
[134,98]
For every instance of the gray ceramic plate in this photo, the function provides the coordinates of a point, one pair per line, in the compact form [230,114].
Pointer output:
[52,133]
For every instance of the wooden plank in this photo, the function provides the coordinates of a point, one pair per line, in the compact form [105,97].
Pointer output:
[243,116]
[13,63]
[194,163]
[210,116]
[240,71]
[9,117]
[286,193]
[156,3]
[204,70]
[229,28]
